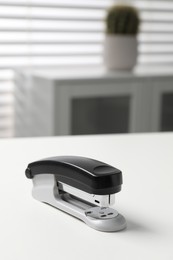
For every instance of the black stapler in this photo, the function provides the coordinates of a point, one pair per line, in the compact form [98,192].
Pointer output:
[82,187]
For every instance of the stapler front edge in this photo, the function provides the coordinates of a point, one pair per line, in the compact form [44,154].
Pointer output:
[82,187]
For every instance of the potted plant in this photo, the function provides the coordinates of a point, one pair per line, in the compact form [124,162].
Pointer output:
[120,47]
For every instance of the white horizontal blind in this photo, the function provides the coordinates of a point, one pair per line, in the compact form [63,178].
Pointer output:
[41,33]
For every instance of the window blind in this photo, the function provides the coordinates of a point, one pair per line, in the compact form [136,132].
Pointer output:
[44,33]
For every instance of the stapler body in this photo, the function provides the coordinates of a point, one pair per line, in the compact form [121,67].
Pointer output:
[82,187]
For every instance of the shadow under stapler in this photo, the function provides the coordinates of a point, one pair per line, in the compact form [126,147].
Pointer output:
[137,227]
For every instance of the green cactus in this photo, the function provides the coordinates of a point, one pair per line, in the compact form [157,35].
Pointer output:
[122,19]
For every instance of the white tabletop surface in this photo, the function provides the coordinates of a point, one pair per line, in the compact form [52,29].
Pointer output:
[30,230]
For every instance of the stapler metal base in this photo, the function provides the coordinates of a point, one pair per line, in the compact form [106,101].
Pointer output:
[100,217]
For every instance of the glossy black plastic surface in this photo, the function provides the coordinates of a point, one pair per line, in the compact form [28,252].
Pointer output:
[83,173]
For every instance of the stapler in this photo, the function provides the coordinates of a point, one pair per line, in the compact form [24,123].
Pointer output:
[82,187]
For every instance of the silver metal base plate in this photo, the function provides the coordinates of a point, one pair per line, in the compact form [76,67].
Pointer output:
[100,218]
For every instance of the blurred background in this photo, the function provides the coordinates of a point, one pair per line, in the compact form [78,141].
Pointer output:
[64,71]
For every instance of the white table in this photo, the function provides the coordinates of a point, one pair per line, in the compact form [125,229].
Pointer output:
[32,230]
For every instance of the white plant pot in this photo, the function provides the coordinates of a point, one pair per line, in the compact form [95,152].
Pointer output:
[120,52]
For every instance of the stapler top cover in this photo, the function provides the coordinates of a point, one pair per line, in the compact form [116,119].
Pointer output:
[86,174]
